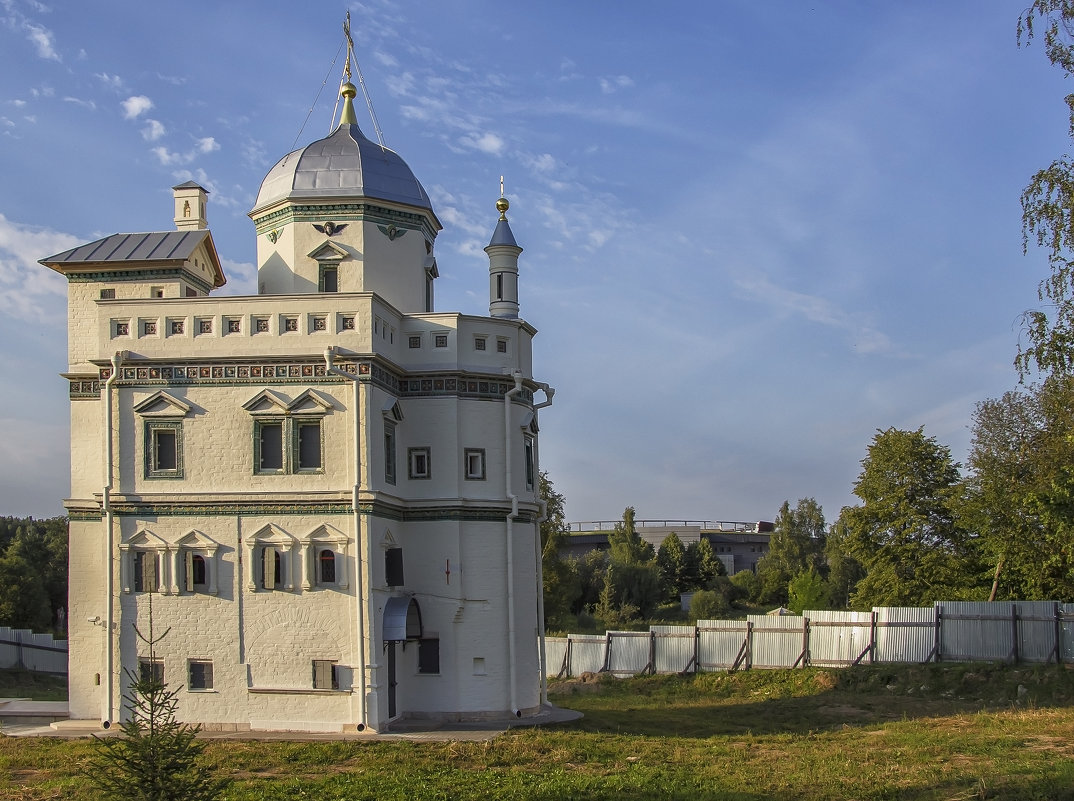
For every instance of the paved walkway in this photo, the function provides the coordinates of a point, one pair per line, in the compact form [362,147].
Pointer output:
[25,718]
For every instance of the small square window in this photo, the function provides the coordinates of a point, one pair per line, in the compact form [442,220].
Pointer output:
[429,656]
[151,670]
[290,324]
[157,292]
[149,328]
[474,459]
[501,346]
[479,343]
[261,325]
[348,322]
[123,329]
[108,294]
[419,462]
[234,325]
[177,326]
[199,675]
[320,324]
[205,326]
[191,292]
[325,675]
[415,342]
[441,340]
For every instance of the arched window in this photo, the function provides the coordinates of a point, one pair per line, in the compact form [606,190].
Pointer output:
[327,566]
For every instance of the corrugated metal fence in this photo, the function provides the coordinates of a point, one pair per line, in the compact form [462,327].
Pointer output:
[1023,631]
[21,648]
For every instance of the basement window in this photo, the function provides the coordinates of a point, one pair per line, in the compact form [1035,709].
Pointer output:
[325,675]
[199,675]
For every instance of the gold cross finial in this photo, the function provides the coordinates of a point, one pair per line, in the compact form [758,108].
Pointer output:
[350,46]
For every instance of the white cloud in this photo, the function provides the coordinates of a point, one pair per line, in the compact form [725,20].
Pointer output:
[172,79]
[28,290]
[169,158]
[818,310]
[135,106]
[17,103]
[487,143]
[153,130]
[110,81]
[42,39]
[80,102]
[615,83]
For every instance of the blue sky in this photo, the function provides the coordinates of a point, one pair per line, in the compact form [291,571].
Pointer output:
[754,232]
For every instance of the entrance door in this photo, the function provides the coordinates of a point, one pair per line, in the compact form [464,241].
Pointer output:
[391,680]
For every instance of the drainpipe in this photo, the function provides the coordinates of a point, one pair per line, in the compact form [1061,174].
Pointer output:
[508,439]
[329,355]
[549,392]
[106,497]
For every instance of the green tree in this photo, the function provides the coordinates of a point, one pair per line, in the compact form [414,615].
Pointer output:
[807,590]
[626,545]
[671,560]
[1047,206]
[749,584]
[796,546]
[157,758]
[561,583]
[708,605]
[904,533]
[844,571]
[1019,496]
[24,602]
[702,565]
[610,610]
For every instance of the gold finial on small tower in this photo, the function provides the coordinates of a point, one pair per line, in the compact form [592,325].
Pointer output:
[502,205]
[348,91]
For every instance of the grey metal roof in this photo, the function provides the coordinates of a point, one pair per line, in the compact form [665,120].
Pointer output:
[159,246]
[402,619]
[502,235]
[191,185]
[342,165]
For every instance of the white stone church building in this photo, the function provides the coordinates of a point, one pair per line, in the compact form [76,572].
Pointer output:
[327,491]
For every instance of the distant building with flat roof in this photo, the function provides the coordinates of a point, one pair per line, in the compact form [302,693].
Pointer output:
[739,545]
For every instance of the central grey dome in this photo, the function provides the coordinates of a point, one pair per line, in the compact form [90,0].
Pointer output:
[344,164]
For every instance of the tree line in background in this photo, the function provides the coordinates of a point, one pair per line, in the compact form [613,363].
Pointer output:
[922,532]
[33,573]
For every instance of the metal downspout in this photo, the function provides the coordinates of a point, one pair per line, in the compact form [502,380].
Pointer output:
[106,497]
[329,354]
[517,376]
[549,392]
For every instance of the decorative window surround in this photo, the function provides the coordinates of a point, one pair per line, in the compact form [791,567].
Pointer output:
[291,429]
[132,555]
[195,544]
[264,541]
[325,538]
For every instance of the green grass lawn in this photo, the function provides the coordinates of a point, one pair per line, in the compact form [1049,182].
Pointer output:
[35,686]
[883,732]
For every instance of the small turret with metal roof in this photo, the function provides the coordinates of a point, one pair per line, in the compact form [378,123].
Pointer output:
[503,254]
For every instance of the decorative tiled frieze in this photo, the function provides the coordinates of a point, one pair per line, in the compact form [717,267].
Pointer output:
[84,389]
[366,370]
